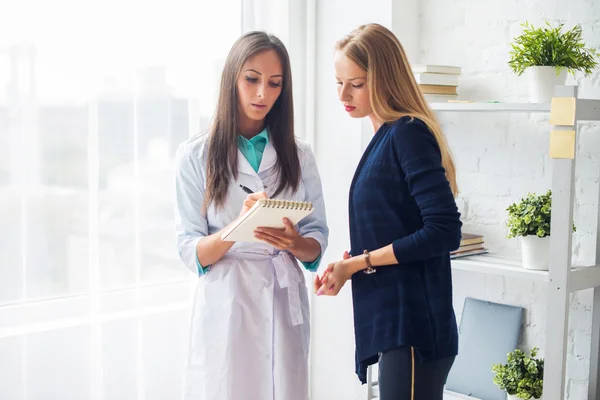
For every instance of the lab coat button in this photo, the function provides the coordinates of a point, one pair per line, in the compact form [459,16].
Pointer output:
[266,284]
[266,251]
[268,356]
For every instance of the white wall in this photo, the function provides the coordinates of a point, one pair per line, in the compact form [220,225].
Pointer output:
[499,159]
[338,146]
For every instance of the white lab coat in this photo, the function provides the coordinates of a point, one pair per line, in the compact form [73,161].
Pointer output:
[250,322]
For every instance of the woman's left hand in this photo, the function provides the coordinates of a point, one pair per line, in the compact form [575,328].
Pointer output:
[335,276]
[282,239]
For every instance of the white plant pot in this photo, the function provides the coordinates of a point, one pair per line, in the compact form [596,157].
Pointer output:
[535,252]
[542,81]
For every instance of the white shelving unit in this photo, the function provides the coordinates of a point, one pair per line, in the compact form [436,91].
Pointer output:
[586,109]
[492,265]
[492,107]
[582,277]
[562,277]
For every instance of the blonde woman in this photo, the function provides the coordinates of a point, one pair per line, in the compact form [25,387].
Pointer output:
[403,223]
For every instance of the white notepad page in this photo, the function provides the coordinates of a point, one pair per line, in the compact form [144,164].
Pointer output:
[267,213]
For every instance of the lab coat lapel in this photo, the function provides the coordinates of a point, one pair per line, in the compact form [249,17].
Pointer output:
[269,158]
[244,166]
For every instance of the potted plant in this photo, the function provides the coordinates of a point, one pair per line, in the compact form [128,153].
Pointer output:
[522,377]
[530,219]
[548,53]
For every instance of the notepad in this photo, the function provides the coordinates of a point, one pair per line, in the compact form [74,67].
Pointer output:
[267,213]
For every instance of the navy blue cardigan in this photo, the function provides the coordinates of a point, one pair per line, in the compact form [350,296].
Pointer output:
[400,195]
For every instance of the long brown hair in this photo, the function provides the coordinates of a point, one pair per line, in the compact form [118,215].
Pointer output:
[393,90]
[223,132]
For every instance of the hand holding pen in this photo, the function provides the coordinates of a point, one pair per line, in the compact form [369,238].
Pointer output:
[251,199]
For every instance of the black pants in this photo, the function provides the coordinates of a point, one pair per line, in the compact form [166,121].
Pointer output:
[401,377]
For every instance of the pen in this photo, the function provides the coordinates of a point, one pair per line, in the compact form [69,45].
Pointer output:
[245,189]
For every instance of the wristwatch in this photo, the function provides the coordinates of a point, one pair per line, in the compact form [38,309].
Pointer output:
[370,269]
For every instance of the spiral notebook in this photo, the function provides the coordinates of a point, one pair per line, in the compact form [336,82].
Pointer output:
[267,213]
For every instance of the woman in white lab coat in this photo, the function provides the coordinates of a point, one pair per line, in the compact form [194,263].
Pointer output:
[250,324]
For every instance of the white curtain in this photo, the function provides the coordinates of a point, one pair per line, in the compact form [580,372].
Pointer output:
[95,96]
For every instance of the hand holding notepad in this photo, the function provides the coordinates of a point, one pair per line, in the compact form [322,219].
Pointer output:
[266,213]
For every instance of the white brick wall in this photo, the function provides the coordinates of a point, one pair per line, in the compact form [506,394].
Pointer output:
[500,157]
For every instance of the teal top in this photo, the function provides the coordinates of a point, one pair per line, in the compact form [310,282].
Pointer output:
[253,150]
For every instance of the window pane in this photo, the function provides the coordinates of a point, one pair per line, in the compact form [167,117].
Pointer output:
[89,126]
[164,364]
[119,356]
[11,369]
[162,122]
[11,265]
[45,188]
[57,364]
[56,231]
[116,191]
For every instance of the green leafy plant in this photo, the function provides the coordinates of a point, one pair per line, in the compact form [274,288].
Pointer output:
[531,216]
[522,376]
[550,46]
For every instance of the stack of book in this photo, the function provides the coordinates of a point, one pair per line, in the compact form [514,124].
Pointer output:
[470,244]
[438,83]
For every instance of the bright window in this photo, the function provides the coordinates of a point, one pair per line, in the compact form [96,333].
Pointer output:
[95,96]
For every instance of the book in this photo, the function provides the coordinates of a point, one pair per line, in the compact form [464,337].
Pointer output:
[440,98]
[468,253]
[470,238]
[438,89]
[427,78]
[436,69]
[469,247]
[266,213]
[471,244]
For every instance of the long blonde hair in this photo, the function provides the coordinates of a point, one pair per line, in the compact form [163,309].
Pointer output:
[393,90]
